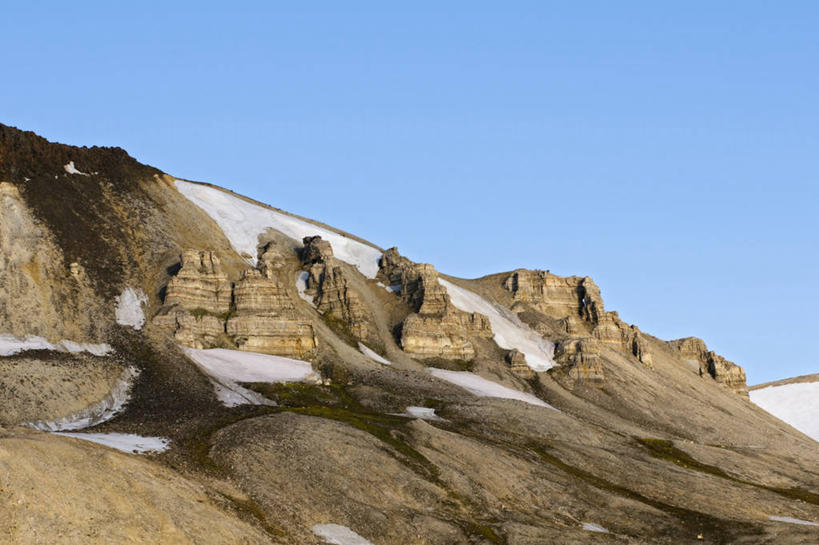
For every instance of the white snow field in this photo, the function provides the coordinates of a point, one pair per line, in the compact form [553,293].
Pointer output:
[243,222]
[126,442]
[373,355]
[129,308]
[482,387]
[592,527]
[10,345]
[509,331]
[335,534]
[97,413]
[229,367]
[791,520]
[301,286]
[796,404]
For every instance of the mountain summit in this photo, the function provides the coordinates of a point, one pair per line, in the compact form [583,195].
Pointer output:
[182,364]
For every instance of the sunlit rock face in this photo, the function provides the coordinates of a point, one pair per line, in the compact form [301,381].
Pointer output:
[437,329]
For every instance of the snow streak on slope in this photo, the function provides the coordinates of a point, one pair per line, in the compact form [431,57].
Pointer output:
[10,345]
[797,404]
[243,222]
[372,354]
[791,520]
[229,367]
[482,387]
[301,286]
[126,442]
[335,534]
[509,331]
[129,308]
[97,413]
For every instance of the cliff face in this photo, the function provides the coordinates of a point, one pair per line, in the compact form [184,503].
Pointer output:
[413,416]
[437,328]
[710,364]
[204,309]
[578,306]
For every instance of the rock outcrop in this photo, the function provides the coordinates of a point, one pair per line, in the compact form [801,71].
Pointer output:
[40,293]
[197,301]
[437,329]
[556,296]
[577,303]
[517,364]
[264,319]
[581,359]
[332,290]
[696,356]
[204,309]
[200,284]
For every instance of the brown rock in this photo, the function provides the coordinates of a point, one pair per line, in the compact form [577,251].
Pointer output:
[556,296]
[200,284]
[581,358]
[265,319]
[315,250]
[696,356]
[335,296]
[438,328]
[517,364]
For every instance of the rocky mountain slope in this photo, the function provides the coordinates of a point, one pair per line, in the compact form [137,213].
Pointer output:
[286,382]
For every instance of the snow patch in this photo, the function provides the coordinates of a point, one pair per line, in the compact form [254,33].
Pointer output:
[301,286]
[227,368]
[796,404]
[509,331]
[129,308]
[592,527]
[791,520]
[10,345]
[243,222]
[424,413]
[335,534]
[370,353]
[482,387]
[71,169]
[99,412]
[126,442]
[395,288]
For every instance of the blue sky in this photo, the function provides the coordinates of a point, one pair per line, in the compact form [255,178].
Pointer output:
[668,150]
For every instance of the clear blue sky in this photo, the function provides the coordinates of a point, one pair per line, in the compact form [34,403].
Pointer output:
[670,150]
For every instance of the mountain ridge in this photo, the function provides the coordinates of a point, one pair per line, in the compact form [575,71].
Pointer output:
[644,438]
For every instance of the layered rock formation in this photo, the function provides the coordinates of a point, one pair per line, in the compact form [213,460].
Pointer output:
[437,328]
[200,284]
[556,296]
[577,303]
[332,291]
[265,320]
[517,364]
[581,359]
[696,355]
[197,301]
[204,309]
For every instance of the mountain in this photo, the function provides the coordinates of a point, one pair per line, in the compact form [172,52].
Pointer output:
[272,379]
